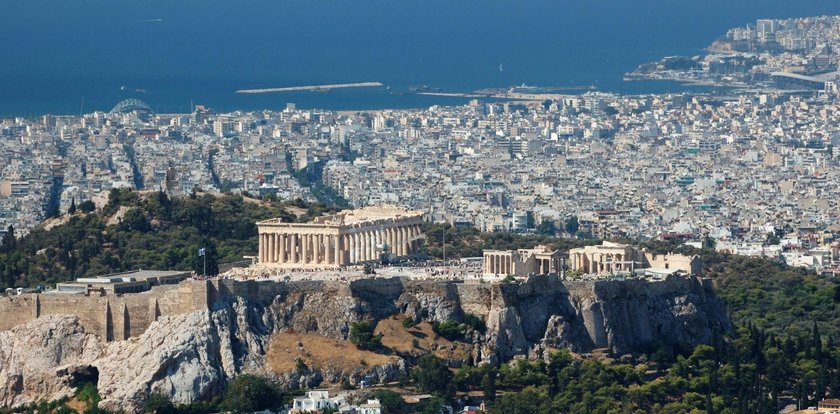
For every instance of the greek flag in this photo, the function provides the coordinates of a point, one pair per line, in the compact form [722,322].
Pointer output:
[201,252]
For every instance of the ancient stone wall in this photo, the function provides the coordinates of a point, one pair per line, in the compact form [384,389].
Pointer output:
[112,317]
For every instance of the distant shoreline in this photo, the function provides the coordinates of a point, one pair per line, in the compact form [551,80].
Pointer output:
[311,88]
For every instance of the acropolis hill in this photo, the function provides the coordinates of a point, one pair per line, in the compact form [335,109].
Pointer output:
[207,331]
[185,336]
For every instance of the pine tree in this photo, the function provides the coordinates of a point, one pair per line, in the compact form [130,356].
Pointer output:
[9,242]
[817,343]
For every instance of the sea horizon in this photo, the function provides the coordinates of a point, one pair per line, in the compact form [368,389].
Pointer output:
[163,53]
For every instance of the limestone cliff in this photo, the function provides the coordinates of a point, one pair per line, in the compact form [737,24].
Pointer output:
[193,355]
[37,360]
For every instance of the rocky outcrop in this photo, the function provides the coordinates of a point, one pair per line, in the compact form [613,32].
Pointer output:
[40,360]
[193,356]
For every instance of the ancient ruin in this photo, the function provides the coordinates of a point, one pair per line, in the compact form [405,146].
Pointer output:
[345,238]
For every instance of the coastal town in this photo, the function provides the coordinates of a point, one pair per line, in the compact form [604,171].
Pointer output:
[799,53]
[749,170]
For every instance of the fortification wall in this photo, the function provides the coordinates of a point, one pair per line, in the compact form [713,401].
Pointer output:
[475,298]
[16,310]
[623,314]
[112,317]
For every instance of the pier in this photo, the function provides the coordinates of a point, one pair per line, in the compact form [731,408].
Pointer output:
[314,88]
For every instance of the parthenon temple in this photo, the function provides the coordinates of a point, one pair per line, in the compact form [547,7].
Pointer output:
[345,238]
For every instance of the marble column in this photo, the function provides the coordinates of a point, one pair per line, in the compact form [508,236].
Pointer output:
[282,237]
[363,246]
[261,249]
[368,246]
[277,247]
[351,247]
[313,251]
[410,242]
[328,253]
[293,241]
[360,249]
[347,238]
[271,248]
[415,242]
[398,239]
[373,240]
[406,237]
[335,250]
[319,248]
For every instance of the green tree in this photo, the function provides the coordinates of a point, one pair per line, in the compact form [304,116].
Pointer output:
[135,220]
[87,206]
[159,404]
[429,406]
[431,375]
[547,228]
[450,330]
[248,393]
[572,225]
[488,383]
[72,209]
[392,403]
[531,400]
[361,335]
[9,242]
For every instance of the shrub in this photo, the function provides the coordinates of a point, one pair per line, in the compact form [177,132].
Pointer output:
[300,366]
[450,330]
[159,404]
[474,322]
[391,401]
[431,375]
[249,393]
[361,335]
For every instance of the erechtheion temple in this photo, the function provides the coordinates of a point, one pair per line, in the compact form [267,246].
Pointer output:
[345,238]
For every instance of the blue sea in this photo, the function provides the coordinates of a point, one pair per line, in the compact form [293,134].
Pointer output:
[64,57]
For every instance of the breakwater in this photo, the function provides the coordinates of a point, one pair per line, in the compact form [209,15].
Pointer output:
[314,88]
